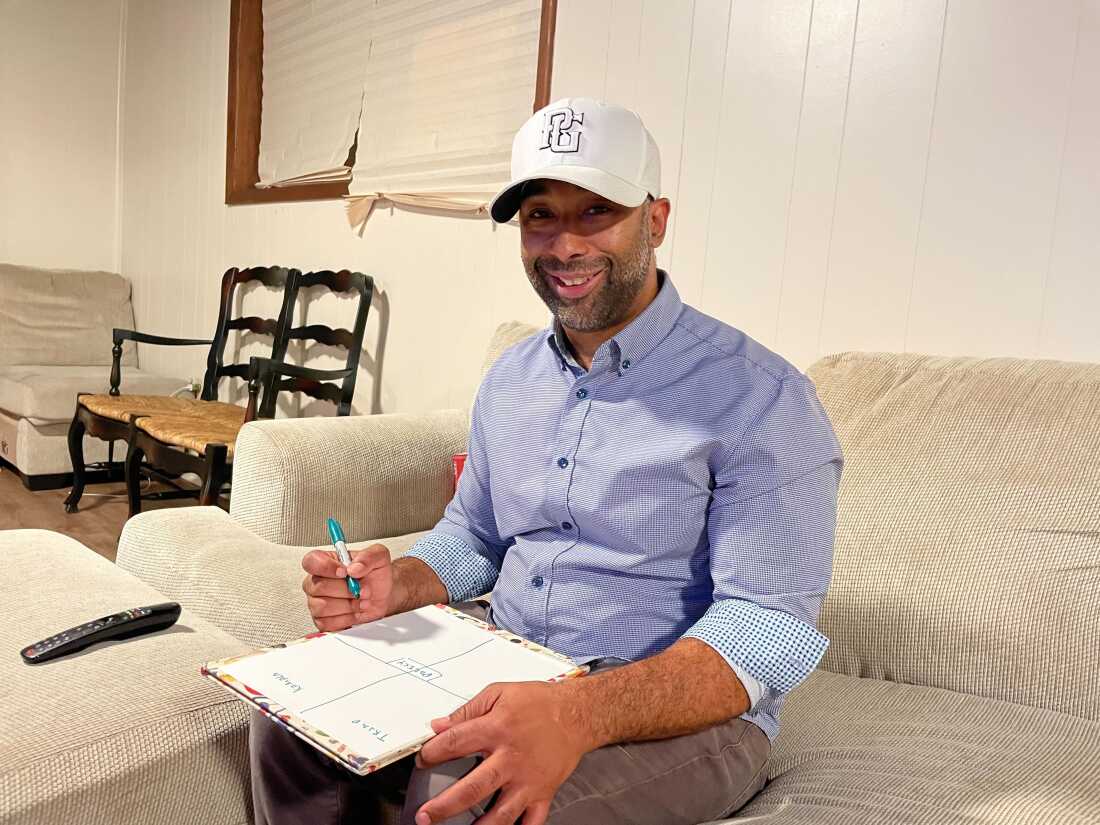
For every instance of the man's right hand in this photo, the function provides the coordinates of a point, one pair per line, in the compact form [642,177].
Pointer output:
[326,588]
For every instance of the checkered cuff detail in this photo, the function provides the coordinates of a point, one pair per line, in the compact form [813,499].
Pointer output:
[772,646]
[464,572]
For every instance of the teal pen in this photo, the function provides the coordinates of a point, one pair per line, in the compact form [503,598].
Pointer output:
[337,536]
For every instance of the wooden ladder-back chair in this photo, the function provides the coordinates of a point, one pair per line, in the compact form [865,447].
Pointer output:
[107,416]
[185,443]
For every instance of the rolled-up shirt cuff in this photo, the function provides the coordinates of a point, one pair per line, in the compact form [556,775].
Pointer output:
[464,571]
[771,646]
[751,685]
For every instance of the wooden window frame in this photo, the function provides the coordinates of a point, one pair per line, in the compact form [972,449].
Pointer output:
[242,146]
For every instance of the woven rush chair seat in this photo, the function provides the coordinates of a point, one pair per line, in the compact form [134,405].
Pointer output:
[109,416]
[214,422]
[124,407]
[202,441]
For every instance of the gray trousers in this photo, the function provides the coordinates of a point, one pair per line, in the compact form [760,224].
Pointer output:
[681,781]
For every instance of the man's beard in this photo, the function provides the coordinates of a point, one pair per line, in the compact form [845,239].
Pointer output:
[610,303]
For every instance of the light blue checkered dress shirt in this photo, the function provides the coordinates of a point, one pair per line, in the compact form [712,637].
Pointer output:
[684,486]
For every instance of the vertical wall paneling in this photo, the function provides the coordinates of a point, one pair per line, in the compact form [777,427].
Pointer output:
[664,50]
[58,133]
[813,193]
[765,69]
[993,168]
[699,150]
[624,52]
[1071,303]
[581,48]
[880,185]
[896,174]
[120,98]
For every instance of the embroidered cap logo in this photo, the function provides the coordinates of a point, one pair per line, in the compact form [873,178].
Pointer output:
[561,132]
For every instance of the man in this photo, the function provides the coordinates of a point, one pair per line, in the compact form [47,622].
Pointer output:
[647,490]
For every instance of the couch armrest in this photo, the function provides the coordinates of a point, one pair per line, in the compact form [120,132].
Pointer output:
[200,558]
[380,475]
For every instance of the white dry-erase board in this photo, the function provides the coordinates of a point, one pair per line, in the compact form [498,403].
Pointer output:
[366,696]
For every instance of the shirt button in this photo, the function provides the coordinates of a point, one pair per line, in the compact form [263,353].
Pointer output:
[565,525]
[563,462]
[626,364]
[537,581]
[582,393]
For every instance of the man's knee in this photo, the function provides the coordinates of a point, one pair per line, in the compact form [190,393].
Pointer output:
[268,741]
[680,781]
[427,783]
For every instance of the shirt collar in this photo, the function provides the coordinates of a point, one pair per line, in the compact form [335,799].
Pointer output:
[633,342]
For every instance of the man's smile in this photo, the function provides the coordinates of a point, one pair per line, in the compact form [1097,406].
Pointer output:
[573,285]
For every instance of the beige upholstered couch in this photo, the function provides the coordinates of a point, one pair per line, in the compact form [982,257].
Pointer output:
[55,341]
[961,685]
[124,732]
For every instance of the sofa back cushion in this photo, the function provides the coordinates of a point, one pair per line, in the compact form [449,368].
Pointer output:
[506,335]
[54,317]
[968,536]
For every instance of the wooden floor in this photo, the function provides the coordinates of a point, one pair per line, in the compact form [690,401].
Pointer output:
[98,524]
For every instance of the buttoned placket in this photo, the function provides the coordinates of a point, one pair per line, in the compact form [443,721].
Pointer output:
[580,390]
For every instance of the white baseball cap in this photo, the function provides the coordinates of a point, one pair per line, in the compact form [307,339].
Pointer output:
[598,146]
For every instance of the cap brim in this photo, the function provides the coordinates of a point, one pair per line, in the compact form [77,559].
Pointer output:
[505,205]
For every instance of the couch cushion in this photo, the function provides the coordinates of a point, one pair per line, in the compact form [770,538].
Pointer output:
[968,536]
[62,317]
[43,449]
[122,733]
[48,393]
[506,335]
[853,751]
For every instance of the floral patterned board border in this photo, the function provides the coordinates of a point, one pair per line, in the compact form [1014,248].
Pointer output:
[329,745]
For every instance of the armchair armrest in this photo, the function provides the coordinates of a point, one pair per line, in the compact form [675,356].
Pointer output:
[120,335]
[199,557]
[380,475]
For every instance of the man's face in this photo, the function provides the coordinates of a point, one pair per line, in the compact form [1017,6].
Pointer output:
[586,256]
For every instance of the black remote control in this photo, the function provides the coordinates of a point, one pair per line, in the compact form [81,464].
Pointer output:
[116,626]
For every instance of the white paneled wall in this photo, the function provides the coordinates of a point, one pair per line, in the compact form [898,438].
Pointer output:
[915,175]
[59,68]
[879,190]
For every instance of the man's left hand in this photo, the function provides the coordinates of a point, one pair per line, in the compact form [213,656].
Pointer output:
[532,735]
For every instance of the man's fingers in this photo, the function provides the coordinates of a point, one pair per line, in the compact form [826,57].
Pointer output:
[507,810]
[456,742]
[320,588]
[332,624]
[342,621]
[537,813]
[364,562]
[320,608]
[476,786]
[322,563]
[326,564]
[480,705]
